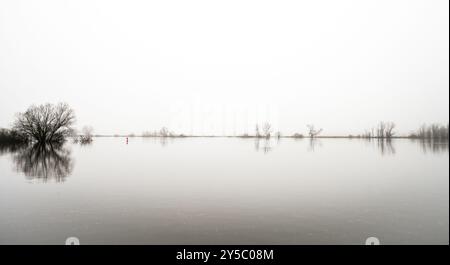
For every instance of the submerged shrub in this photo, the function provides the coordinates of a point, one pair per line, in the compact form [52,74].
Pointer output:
[11,136]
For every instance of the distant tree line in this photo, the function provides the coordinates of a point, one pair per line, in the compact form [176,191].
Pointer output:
[45,124]
[433,132]
[86,136]
[266,131]
[163,132]
[50,123]
[384,130]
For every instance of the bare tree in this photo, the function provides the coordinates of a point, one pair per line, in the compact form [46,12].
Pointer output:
[434,131]
[88,131]
[422,131]
[385,130]
[312,131]
[46,123]
[381,130]
[389,130]
[87,134]
[267,130]
[257,133]
[164,132]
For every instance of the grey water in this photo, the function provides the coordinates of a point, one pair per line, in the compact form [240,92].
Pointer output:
[226,191]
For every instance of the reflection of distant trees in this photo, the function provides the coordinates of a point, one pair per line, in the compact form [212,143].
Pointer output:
[257,144]
[44,161]
[267,147]
[433,146]
[385,146]
[263,145]
[11,147]
[313,144]
[163,141]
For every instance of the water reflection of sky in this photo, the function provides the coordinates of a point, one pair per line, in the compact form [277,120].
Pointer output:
[225,191]
[55,162]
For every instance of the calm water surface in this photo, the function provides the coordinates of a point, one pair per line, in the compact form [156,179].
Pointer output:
[226,191]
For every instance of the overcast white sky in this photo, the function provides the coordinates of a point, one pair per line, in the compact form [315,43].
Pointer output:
[213,67]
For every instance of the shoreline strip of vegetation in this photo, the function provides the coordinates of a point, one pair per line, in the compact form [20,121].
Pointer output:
[47,124]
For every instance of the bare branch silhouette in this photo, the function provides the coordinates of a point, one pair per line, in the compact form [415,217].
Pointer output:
[46,123]
[312,131]
[267,130]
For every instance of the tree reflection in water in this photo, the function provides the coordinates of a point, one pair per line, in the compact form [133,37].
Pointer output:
[266,145]
[44,162]
[386,147]
[313,144]
[434,145]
